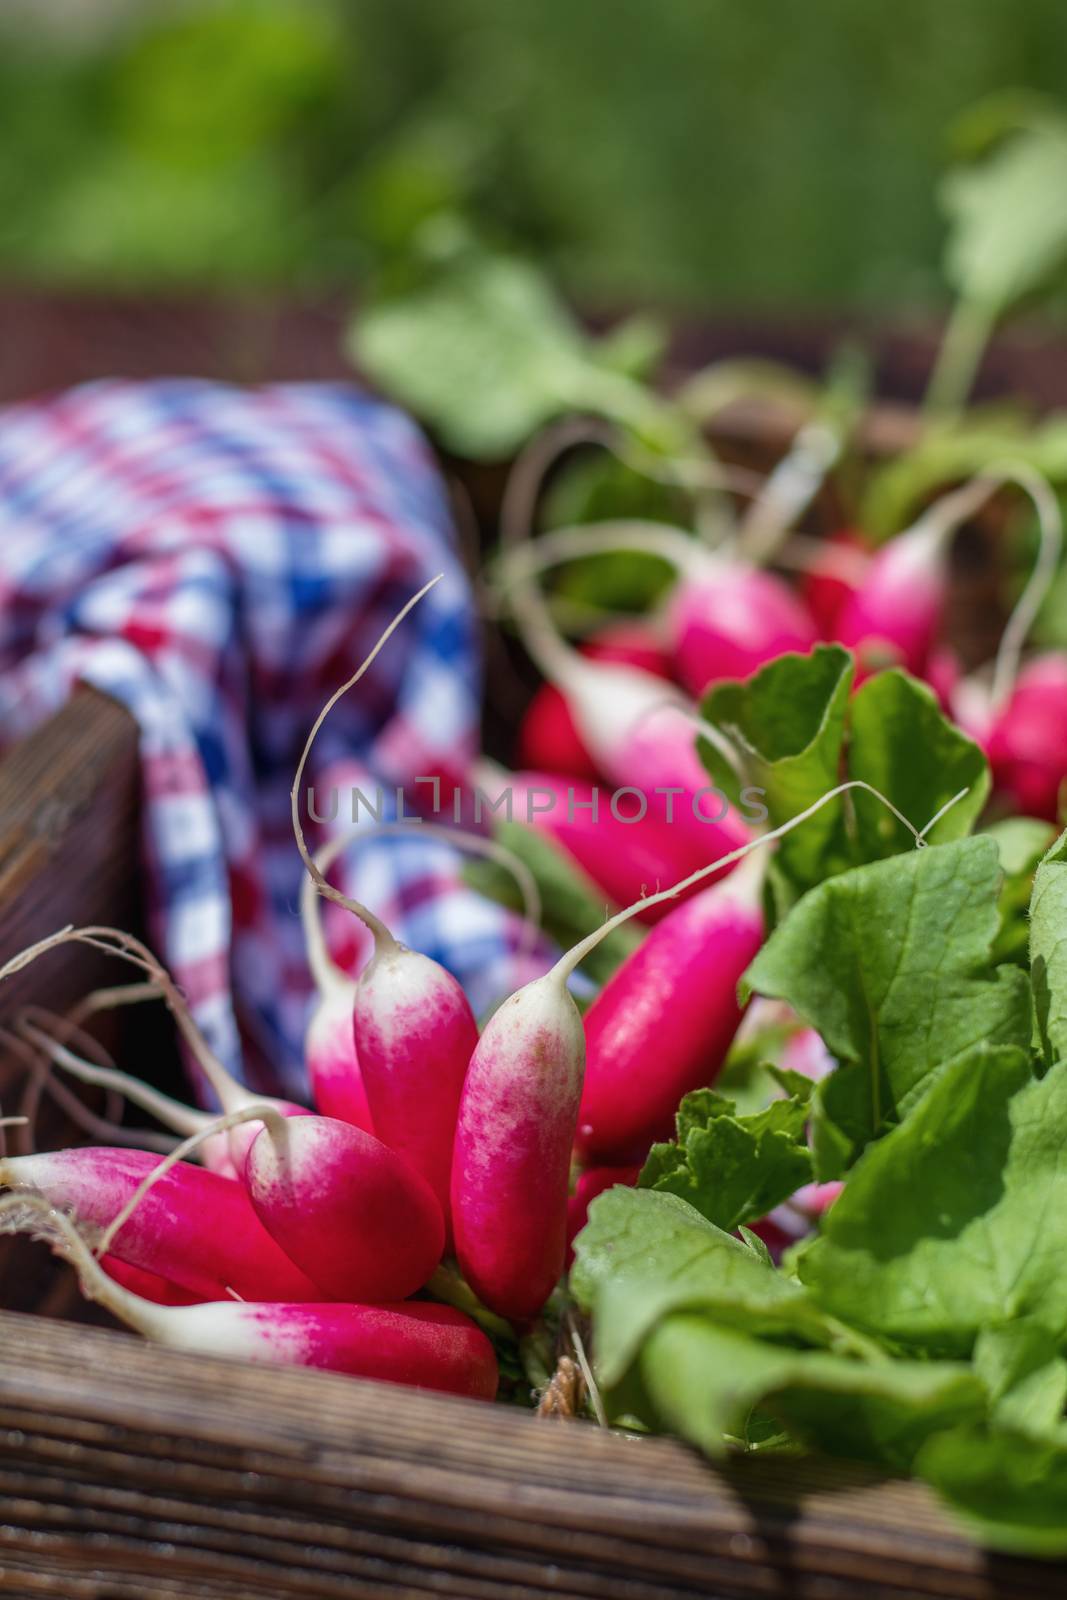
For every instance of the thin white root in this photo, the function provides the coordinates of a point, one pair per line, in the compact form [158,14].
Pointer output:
[112,941]
[382,936]
[257,1112]
[172,1113]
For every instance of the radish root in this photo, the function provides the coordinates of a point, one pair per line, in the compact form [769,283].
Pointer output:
[112,941]
[382,937]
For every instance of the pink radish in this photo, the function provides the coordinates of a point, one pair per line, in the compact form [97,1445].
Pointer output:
[547,736]
[424,1346]
[352,1212]
[662,1024]
[731,619]
[1027,742]
[414,1028]
[519,1114]
[194,1228]
[349,1211]
[639,733]
[893,616]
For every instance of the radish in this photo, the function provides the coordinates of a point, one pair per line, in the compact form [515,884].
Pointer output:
[422,1345]
[195,1229]
[360,1222]
[519,1112]
[893,616]
[637,731]
[1027,742]
[414,1028]
[722,619]
[349,1211]
[662,1024]
[547,737]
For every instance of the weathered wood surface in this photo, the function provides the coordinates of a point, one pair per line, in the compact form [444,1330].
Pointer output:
[68,839]
[68,854]
[124,1471]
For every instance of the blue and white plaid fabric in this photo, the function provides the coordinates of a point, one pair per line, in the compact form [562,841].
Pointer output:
[220,560]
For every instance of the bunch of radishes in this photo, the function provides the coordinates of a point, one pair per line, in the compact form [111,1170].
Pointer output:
[310,1232]
[622,708]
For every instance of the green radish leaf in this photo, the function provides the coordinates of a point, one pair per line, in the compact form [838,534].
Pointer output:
[797,734]
[1010,1488]
[643,1255]
[704,1379]
[891,964]
[571,903]
[1048,950]
[1024,1375]
[901,744]
[730,1168]
[483,350]
[957,1221]
[1007,221]
[1022,842]
[787,722]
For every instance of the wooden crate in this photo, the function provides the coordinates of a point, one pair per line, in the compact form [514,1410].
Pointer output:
[127,1472]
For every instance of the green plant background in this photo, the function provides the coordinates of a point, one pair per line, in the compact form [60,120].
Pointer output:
[710,152]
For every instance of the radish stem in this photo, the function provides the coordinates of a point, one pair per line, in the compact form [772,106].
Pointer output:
[383,938]
[567,963]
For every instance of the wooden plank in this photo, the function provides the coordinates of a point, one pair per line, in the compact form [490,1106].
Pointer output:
[68,838]
[68,854]
[152,1473]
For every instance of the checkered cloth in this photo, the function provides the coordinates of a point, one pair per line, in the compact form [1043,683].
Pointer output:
[220,560]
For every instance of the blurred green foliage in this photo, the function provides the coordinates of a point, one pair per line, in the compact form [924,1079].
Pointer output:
[775,152]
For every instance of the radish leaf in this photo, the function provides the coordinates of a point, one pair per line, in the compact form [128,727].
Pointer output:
[704,1379]
[1048,950]
[954,1223]
[732,1169]
[891,964]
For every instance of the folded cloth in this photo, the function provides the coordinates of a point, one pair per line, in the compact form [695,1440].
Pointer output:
[220,560]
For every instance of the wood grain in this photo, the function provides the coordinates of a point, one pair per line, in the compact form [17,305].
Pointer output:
[124,1470]
[68,854]
[68,838]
